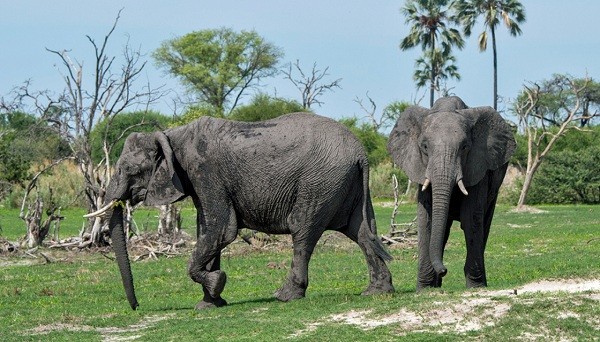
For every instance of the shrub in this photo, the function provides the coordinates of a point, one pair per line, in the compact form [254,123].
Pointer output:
[265,107]
[381,181]
[141,121]
[568,176]
[64,181]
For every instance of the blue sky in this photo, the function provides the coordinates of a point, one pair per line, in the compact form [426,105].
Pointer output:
[357,40]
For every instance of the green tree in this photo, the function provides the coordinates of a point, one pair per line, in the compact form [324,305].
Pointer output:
[113,131]
[25,141]
[219,65]
[430,22]
[264,107]
[444,69]
[535,107]
[511,12]
[374,142]
[569,176]
[195,112]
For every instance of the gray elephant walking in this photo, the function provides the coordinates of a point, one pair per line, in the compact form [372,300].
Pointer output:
[299,174]
[459,156]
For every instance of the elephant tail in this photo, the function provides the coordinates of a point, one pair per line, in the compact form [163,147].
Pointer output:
[369,216]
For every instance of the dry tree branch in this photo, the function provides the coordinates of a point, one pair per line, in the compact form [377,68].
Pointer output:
[310,85]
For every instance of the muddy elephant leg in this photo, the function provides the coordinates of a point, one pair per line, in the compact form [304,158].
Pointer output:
[426,275]
[475,222]
[205,262]
[297,280]
[380,278]
[213,298]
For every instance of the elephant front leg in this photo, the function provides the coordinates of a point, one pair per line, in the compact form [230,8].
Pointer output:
[211,278]
[427,276]
[205,263]
[475,222]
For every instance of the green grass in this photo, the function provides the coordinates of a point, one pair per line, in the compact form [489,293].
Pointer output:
[80,295]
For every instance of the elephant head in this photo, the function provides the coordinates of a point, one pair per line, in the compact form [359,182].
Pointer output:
[448,146]
[145,172]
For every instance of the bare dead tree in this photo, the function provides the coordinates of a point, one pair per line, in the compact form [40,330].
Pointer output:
[311,85]
[370,111]
[86,101]
[566,94]
[169,220]
[388,115]
[110,93]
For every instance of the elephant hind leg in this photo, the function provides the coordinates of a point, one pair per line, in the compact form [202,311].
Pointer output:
[359,231]
[297,280]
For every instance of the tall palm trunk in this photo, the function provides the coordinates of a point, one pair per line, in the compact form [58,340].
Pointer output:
[118,238]
[432,66]
[495,68]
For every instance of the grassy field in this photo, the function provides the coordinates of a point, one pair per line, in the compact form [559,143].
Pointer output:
[79,295]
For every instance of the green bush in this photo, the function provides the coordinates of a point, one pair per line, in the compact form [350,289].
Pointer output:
[141,121]
[265,107]
[61,185]
[568,177]
[374,142]
[381,181]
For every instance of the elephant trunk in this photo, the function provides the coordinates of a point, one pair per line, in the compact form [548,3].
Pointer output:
[446,174]
[117,235]
[441,194]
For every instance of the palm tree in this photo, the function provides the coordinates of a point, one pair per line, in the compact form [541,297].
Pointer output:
[431,20]
[444,68]
[511,12]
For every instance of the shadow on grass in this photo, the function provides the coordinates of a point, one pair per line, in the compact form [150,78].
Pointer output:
[229,304]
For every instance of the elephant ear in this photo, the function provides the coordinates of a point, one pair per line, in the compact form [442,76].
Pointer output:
[403,144]
[164,186]
[492,146]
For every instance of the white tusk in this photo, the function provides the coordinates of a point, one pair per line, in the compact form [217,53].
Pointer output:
[101,210]
[462,188]
[426,184]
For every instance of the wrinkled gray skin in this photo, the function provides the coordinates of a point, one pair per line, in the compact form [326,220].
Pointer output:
[445,144]
[299,174]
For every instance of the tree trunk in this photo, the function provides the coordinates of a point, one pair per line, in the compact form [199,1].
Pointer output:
[432,80]
[36,229]
[169,219]
[495,68]
[527,185]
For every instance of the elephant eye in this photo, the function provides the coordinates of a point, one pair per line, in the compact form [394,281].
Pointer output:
[424,147]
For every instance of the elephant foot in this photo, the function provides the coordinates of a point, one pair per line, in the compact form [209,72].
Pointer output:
[214,283]
[210,303]
[472,284]
[287,293]
[380,288]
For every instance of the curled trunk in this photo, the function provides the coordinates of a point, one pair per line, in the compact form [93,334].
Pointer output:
[119,242]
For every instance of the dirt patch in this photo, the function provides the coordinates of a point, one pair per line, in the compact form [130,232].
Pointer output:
[528,209]
[478,309]
[458,317]
[568,285]
[108,333]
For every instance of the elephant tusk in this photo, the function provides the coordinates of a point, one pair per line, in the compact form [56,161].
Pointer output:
[462,188]
[426,184]
[101,210]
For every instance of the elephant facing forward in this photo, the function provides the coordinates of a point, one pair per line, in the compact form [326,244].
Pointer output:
[459,156]
[298,174]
